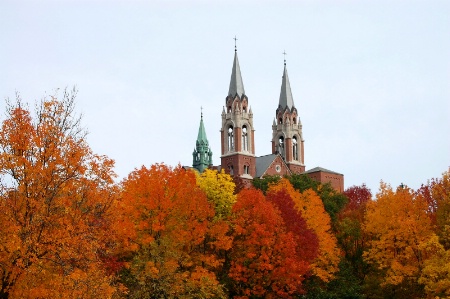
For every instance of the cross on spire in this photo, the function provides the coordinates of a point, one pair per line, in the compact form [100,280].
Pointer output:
[235,39]
[284,53]
[201,111]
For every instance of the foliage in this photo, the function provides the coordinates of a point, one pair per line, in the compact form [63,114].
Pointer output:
[312,210]
[351,238]
[436,272]
[333,201]
[55,201]
[169,238]
[398,226]
[263,183]
[264,261]
[219,188]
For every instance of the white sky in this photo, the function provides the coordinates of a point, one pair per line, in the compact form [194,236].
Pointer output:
[370,79]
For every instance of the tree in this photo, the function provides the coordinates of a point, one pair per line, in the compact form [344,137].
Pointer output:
[306,239]
[264,261]
[55,198]
[437,195]
[312,210]
[333,201]
[436,272]
[349,233]
[169,238]
[219,188]
[398,226]
[263,183]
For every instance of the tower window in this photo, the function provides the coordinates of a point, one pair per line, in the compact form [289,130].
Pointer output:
[295,148]
[281,146]
[230,169]
[244,138]
[280,120]
[230,138]
[246,169]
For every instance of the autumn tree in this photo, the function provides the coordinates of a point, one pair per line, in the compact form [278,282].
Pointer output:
[349,233]
[309,204]
[333,201]
[437,195]
[306,239]
[169,237]
[264,261]
[219,188]
[399,229]
[263,183]
[55,197]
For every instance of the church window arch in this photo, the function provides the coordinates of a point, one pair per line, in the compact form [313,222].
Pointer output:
[230,169]
[244,138]
[295,148]
[246,169]
[230,140]
[281,146]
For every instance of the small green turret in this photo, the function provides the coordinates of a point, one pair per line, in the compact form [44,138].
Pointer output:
[202,155]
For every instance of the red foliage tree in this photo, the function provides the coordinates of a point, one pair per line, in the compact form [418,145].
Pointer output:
[305,238]
[264,260]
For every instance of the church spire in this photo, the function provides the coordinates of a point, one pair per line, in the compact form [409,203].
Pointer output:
[286,99]
[202,132]
[236,84]
[202,155]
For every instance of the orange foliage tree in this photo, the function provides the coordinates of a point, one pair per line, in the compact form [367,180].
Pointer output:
[399,229]
[264,261]
[54,205]
[170,241]
[311,207]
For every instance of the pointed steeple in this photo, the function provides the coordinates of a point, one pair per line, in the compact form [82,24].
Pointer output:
[236,84]
[202,133]
[286,99]
[202,155]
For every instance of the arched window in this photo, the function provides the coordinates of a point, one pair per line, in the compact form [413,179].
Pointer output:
[230,138]
[246,169]
[295,148]
[244,138]
[230,169]
[281,146]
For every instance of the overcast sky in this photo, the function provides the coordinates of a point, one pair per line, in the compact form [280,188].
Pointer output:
[370,79]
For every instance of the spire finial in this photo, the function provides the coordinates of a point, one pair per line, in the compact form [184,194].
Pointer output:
[235,47]
[284,53]
[201,112]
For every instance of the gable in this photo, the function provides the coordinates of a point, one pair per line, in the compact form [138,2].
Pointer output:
[271,165]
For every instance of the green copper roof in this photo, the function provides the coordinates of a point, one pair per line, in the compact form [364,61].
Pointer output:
[202,155]
[202,133]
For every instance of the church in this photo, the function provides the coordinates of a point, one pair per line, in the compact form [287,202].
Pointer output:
[238,142]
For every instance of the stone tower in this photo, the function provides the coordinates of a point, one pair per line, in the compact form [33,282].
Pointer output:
[237,132]
[202,154]
[287,137]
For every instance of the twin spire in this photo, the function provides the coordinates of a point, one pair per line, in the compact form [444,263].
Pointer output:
[237,85]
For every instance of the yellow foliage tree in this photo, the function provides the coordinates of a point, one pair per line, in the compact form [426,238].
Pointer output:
[219,188]
[311,207]
[435,275]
